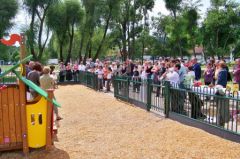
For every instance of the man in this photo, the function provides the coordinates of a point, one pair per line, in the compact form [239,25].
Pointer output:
[130,67]
[182,73]
[197,69]
[236,73]
[172,75]
[29,67]
[81,67]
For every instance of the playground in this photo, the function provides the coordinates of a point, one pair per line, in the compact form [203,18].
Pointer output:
[96,125]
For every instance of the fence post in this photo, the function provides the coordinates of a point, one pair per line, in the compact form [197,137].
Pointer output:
[149,90]
[167,98]
[114,85]
[128,84]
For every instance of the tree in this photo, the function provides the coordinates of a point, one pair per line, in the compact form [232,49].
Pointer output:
[192,26]
[37,9]
[74,15]
[57,22]
[8,11]
[91,17]
[220,28]
[174,6]
[110,10]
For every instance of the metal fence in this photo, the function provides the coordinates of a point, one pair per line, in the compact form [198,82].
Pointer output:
[88,79]
[211,106]
[202,104]
[144,93]
[8,80]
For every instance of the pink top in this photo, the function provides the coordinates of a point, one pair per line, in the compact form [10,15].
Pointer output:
[236,74]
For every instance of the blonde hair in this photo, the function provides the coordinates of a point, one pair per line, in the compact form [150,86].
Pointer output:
[222,64]
[46,70]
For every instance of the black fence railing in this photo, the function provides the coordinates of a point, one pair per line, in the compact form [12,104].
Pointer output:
[88,79]
[215,107]
[8,80]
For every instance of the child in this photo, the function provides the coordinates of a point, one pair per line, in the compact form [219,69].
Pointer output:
[99,73]
[108,81]
[136,80]
[55,78]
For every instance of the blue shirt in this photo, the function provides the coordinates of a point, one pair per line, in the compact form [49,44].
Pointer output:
[182,72]
[197,70]
[222,78]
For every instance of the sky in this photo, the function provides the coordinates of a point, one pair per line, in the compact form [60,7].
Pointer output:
[22,19]
[160,7]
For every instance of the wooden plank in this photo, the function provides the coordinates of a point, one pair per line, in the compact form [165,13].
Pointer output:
[23,117]
[12,120]
[1,120]
[17,115]
[23,99]
[49,141]
[17,146]
[6,128]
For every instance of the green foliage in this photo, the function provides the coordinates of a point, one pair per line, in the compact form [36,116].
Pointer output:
[8,10]
[221,29]
[9,53]
[98,28]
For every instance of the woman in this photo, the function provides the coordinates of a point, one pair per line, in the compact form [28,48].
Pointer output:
[69,72]
[62,72]
[208,74]
[136,79]
[222,75]
[34,76]
[190,77]
[47,82]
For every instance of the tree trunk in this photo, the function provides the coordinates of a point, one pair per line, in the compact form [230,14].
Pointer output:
[194,52]
[81,44]
[71,35]
[133,31]
[90,50]
[143,47]
[104,35]
[124,30]
[129,42]
[61,50]
[31,39]
[41,46]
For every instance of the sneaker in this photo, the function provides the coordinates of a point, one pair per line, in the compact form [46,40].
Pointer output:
[59,118]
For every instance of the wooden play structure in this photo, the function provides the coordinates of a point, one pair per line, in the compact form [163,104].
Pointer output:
[24,124]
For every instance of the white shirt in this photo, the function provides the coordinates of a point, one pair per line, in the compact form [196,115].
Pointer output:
[173,77]
[81,67]
[109,75]
[144,75]
[99,73]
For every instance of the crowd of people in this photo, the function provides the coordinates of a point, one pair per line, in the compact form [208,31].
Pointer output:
[216,72]
[44,77]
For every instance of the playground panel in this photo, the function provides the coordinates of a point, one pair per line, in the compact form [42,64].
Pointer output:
[10,123]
